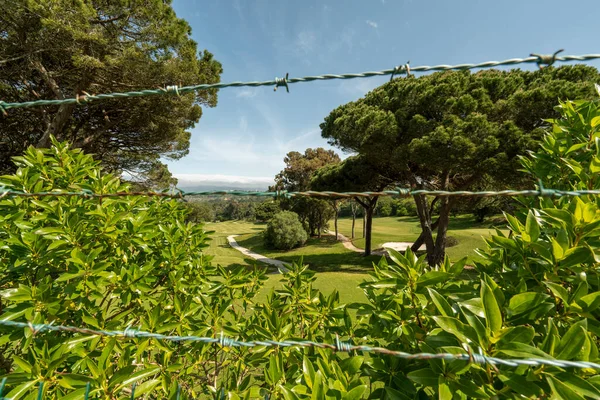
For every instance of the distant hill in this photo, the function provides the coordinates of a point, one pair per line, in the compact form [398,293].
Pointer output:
[199,183]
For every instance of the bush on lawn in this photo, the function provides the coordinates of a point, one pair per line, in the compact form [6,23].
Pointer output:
[284,231]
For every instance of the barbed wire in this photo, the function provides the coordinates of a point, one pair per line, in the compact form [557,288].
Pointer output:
[539,59]
[130,333]
[400,192]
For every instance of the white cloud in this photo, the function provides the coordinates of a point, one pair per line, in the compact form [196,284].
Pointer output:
[243,124]
[371,23]
[187,179]
[360,86]
[306,41]
[246,93]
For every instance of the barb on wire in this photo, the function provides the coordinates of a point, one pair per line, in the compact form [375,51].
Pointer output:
[401,192]
[337,346]
[538,59]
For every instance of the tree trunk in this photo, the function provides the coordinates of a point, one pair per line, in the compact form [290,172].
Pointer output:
[354,209]
[369,206]
[421,239]
[364,225]
[56,126]
[369,228]
[334,204]
[426,231]
[440,241]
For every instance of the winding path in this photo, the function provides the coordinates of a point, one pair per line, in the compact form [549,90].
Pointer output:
[398,246]
[281,266]
[346,242]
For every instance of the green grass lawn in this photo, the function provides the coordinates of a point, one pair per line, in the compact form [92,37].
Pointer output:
[407,229]
[337,267]
[345,280]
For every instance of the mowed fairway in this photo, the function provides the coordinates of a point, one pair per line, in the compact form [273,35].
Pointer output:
[337,267]
[407,229]
[345,282]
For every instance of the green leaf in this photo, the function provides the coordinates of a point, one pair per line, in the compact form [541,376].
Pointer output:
[21,363]
[463,332]
[20,390]
[493,317]
[356,393]
[287,394]
[352,365]
[444,390]
[138,376]
[589,302]
[532,226]
[517,334]
[576,256]
[521,385]
[432,278]
[425,377]
[521,350]
[458,266]
[561,390]
[524,302]
[557,250]
[146,387]
[441,303]
[72,381]
[595,165]
[558,290]
[578,385]
[318,392]
[394,394]
[571,343]
[475,306]
[309,371]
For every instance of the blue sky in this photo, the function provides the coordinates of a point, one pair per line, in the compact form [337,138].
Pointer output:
[249,132]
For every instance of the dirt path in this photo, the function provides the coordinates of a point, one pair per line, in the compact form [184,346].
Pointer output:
[281,266]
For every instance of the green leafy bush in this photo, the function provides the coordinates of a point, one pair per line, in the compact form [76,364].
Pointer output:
[105,263]
[285,231]
[266,210]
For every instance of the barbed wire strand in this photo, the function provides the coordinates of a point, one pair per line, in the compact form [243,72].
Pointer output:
[400,192]
[539,59]
[224,341]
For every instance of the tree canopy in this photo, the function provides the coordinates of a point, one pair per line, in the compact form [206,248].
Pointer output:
[354,174]
[296,177]
[54,49]
[450,130]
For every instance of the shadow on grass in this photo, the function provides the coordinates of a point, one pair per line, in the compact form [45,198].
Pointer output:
[344,261]
[351,263]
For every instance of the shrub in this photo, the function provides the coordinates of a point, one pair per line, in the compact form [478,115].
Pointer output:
[199,211]
[104,263]
[266,210]
[284,231]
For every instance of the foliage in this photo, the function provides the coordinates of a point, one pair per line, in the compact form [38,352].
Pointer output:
[199,211]
[266,210]
[296,177]
[354,174]
[106,263]
[535,295]
[285,231]
[451,130]
[53,49]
